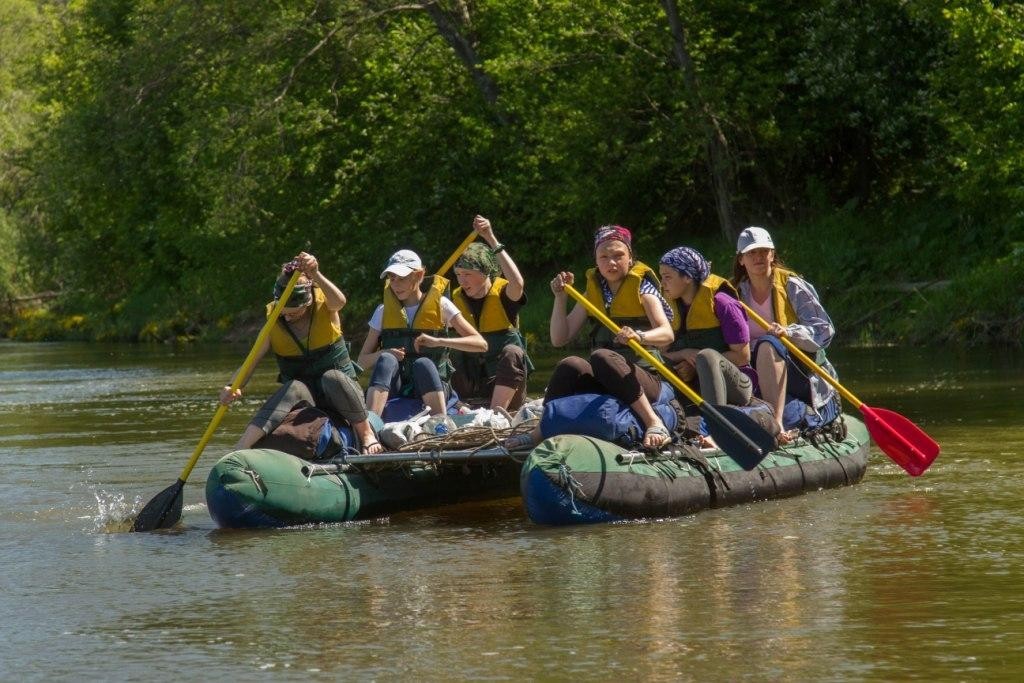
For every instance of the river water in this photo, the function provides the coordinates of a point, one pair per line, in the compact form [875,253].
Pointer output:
[897,578]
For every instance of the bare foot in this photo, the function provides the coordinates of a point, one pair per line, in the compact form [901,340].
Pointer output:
[372,448]
[785,437]
[656,436]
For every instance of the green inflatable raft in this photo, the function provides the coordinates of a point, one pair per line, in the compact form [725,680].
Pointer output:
[573,479]
[269,488]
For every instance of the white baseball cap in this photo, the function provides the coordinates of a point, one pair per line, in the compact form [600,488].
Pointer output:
[401,263]
[754,238]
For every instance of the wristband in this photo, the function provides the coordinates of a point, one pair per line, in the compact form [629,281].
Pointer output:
[498,248]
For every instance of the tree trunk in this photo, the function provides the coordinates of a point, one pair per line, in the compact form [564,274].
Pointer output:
[716,147]
[449,29]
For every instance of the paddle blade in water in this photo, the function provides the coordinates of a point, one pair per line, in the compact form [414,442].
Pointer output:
[899,438]
[738,434]
[163,511]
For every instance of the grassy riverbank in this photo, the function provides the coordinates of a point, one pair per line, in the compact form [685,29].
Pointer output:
[925,274]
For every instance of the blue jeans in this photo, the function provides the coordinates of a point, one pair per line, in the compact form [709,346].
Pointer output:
[386,375]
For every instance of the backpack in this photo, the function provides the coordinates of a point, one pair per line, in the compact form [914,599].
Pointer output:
[600,416]
[305,432]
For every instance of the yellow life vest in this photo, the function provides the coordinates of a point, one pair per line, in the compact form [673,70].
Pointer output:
[627,308]
[493,317]
[784,312]
[397,332]
[428,316]
[323,331]
[702,328]
[626,304]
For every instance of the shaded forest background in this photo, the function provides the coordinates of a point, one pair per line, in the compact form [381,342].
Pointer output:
[160,160]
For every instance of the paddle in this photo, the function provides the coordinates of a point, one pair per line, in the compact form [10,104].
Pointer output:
[734,431]
[165,508]
[470,238]
[899,438]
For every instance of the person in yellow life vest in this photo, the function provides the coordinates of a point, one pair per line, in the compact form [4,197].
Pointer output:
[491,304]
[791,305]
[408,341]
[712,339]
[312,358]
[629,293]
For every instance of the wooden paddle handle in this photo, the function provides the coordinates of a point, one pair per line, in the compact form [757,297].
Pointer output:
[470,238]
[242,373]
[672,377]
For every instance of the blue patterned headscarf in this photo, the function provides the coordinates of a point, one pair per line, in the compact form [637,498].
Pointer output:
[689,262]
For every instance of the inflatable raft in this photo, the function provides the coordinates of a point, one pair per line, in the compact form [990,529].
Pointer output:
[269,488]
[572,479]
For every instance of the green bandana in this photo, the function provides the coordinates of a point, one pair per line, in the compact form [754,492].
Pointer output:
[302,295]
[478,256]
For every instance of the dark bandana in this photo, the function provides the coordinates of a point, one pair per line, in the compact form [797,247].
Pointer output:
[689,262]
[478,256]
[613,232]
[302,292]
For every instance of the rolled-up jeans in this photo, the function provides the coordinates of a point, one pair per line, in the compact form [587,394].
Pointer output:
[386,375]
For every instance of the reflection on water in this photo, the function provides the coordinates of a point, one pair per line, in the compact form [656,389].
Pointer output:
[893,579]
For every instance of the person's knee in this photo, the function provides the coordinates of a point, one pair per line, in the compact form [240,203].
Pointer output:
[294,391]
[425,375]
[336,380]
[384,370]
[571,366]
[512,361]
[767,353]
[387,362]
[608,366]
[339,388]
[707,358]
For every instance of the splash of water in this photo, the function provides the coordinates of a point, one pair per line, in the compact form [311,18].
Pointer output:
[115,514]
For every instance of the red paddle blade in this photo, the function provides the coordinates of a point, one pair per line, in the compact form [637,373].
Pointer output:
[899,438]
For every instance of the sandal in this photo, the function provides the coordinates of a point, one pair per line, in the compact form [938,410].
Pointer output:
[658,432]
[519,442]
[372,448]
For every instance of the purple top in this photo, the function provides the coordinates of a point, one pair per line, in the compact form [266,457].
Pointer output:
[733,319]
[735,328]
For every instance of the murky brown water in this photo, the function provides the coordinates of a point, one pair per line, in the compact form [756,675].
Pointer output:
[894,579]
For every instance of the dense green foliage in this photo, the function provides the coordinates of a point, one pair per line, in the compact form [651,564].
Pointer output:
[160,160]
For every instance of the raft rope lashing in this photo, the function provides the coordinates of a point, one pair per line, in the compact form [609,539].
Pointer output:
[568,482]
[257,481]
[311,471]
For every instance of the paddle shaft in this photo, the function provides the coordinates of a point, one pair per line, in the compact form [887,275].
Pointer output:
[899,437]
[635,345]
[742,447]
[820,371]
[470,238]
[242,374]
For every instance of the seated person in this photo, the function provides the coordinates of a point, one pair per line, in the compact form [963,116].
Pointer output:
[491,304]
[628,290]
[312,358]
[791,306]
[408,341]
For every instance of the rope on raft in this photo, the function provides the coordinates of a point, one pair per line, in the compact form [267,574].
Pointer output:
[465,438]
